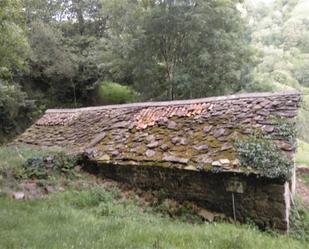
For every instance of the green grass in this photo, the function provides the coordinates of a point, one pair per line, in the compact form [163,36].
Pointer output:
[304,178]
[299,220]
[12,158]
[302,155]
[96,219]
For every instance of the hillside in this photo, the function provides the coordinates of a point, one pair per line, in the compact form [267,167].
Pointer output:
[88,220]
[75,210]
[279,32]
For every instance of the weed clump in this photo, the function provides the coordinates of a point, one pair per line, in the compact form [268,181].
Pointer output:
[41,167]
[299,221]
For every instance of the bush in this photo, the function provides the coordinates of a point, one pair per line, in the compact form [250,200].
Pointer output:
[43,166]
[285,128]
[13,159]
[114,93]
[262,155]
[260,84]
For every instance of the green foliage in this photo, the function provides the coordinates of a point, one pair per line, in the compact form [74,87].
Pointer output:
[114,93]
[100,201]
[302,73]
[166,50]
[263,156]
[15,110]
[279,32]
[44,166]
[302,120]
[190,50]
[261,84]
[183,212]
[52,64]
[13,159]
[285,128]
[13,42]
[302,155]
[299,221]
[91,198]
[55,222]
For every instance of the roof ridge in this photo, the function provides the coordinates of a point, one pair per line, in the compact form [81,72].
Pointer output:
[177,102]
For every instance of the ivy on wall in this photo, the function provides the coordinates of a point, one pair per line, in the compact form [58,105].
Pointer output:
[285,128]
[261,154]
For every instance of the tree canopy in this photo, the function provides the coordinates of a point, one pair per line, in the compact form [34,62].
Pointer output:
[57,52]
[162,49]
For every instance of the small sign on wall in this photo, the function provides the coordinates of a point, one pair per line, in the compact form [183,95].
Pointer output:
[235,185]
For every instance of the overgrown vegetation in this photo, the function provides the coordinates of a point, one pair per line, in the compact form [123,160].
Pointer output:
[278,30]
[60,51]
[302,155]
[96,218]
[15,111]
[114,93]
[299,220]
[264,156]
[285,128]
[44,166]
[24,162]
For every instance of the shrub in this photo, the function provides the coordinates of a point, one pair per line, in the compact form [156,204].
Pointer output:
[262,83]
[114,93]
[43,166]
[285,128]
[264,156]
[13,159]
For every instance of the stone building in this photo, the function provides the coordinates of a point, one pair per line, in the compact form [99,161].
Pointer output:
[209,150]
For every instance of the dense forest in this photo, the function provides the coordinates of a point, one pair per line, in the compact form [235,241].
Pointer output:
[279,33]
[72,53]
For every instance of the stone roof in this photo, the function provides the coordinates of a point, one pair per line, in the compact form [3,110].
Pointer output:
[190,134]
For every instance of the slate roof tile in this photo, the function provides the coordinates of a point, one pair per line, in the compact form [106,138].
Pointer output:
[191,133]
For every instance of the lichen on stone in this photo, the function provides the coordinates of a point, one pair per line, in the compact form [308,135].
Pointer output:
[197,135]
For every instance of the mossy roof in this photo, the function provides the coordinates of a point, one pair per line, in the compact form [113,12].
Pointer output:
[194,134]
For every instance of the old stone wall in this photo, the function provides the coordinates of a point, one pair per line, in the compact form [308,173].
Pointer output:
[263,201]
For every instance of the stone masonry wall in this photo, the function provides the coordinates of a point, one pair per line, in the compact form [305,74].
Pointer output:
[264,201]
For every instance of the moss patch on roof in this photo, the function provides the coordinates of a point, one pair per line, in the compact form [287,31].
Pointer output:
[193,135]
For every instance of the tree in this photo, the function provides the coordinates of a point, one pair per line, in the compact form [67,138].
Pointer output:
[52,64]
[15,110]
[178,49]
[62,38]
[302,73]
[13,43]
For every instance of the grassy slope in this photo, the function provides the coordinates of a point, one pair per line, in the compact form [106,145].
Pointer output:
[79,220]
[97,218]
[302,156]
